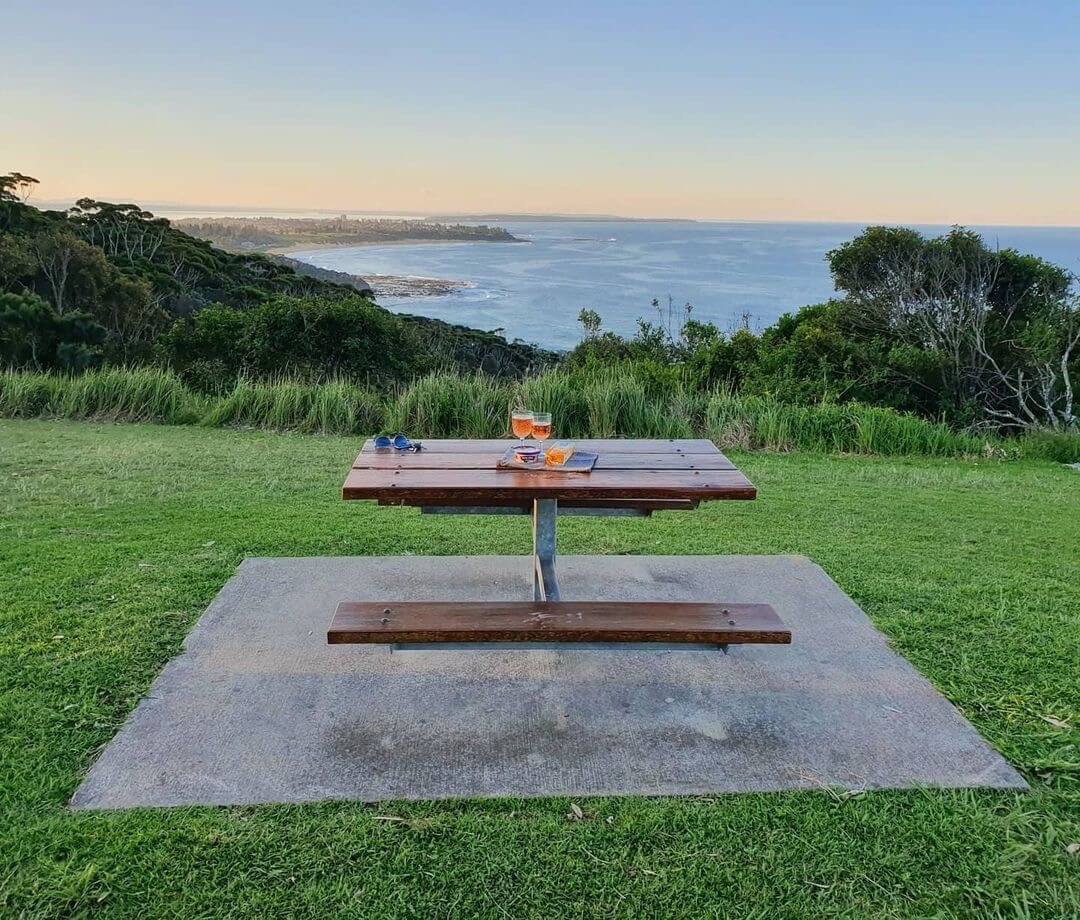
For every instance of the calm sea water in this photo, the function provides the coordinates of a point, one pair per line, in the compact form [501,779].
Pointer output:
[534,290]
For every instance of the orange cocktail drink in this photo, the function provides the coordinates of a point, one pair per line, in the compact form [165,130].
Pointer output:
[542,429]
[521,423]
[541,426]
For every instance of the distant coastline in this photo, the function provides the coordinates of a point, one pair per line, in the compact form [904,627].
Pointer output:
[286,234]
[315,247]
[280,238]
[566,218]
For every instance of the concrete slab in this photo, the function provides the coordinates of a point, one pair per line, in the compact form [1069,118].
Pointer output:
[258,708]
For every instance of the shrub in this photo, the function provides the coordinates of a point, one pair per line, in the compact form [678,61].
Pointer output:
[33,334]
[309,338]
[1051,445]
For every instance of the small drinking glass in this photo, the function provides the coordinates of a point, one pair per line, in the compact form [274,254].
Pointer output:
[541,427]
[521,423]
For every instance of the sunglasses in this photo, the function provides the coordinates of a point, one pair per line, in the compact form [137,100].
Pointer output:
[398,442]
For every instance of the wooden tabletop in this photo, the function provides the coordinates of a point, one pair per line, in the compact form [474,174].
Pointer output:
[462,472]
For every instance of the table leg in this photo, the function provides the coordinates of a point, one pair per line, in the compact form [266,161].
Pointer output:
[545,516]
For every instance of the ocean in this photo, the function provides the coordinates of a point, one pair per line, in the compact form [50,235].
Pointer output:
[725,270]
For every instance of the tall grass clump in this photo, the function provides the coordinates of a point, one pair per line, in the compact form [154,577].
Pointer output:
[885,431]
[619,405]
[446,405]
[594,402]
[562,394]
[142,394]
[728,424]
[24,394]
[760,423]
[689,404]
[335,407]
[1059,446]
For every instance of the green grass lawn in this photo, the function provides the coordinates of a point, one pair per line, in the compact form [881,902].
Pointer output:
[114,538]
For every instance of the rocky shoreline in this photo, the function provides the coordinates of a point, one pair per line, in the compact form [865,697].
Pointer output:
[377,285]
[407,286]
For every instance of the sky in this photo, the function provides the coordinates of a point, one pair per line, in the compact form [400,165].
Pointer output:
[924,112]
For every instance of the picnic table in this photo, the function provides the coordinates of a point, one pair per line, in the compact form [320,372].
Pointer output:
[631,477]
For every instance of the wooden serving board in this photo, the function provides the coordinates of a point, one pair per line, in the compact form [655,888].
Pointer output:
[581,461]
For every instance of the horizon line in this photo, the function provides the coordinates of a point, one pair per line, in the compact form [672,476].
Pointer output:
[389,213]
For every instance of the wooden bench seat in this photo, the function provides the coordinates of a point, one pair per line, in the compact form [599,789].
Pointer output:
[556,621]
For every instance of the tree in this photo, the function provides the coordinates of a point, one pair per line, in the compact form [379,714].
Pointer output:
[120,229]
[130,315]
[590,322]
[14,190]
[997,325]
[16,187]
[17,265]
[73,270]
[1037,390]
[33,334]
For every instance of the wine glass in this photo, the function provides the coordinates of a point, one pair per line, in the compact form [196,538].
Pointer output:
[521,423]
[541,427]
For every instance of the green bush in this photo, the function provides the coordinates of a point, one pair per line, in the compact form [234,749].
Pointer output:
[307,338]
[1051,445]
[33,334]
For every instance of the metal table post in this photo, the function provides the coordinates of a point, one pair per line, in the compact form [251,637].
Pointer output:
[545,522]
